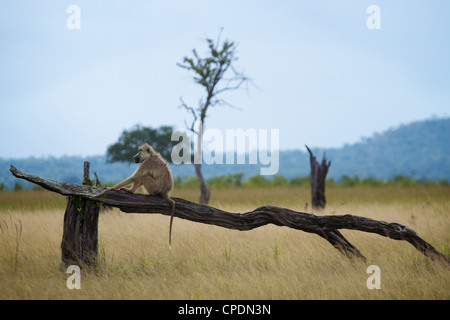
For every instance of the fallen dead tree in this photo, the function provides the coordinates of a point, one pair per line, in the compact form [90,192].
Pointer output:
[326,226]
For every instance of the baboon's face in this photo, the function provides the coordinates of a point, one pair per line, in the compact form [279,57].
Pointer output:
[137,157]
[144,153]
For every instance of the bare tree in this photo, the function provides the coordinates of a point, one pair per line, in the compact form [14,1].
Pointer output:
[216,74]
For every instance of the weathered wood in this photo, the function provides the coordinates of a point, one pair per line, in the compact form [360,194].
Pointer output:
[318,178]
[79,243]
[325,226]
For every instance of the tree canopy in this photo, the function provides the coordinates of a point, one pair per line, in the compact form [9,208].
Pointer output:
[215,73]
[130,140]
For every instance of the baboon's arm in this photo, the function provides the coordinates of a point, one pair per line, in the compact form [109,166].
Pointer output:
[124,183]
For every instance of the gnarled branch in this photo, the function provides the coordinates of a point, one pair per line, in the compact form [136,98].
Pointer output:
[325,226]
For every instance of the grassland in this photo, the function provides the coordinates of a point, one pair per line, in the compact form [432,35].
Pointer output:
[208,262]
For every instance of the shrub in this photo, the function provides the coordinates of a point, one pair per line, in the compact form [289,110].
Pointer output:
[18,187]
[279,181]
[257,181]
[300,181]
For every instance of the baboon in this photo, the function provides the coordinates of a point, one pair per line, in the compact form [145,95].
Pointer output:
[154,175]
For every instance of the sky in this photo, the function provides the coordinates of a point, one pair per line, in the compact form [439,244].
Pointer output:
[320,75]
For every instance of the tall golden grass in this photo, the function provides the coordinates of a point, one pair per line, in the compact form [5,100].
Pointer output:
[209,262]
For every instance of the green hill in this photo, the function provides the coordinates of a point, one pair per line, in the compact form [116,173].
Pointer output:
[420,150]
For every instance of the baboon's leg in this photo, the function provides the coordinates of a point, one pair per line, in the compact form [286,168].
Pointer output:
[135,186]
[149,185]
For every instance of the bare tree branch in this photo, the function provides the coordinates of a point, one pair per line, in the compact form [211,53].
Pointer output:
[184,105]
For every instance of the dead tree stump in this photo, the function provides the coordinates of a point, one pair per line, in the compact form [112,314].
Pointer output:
[318,177]
[79,245]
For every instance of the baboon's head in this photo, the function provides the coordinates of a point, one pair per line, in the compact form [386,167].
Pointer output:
[145,151]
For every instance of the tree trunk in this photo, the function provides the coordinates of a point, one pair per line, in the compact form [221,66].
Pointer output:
[318,178]
[204,190]
[79,245]
[326,226]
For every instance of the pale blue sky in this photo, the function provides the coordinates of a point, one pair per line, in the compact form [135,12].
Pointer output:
[323,78]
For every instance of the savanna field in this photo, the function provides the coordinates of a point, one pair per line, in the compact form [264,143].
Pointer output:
[210,262]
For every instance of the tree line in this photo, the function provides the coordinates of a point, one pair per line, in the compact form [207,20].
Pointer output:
[235,180]
[258,181]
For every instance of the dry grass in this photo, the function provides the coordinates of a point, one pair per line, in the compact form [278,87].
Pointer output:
[208,262]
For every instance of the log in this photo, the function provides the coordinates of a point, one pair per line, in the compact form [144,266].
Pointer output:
[326,226]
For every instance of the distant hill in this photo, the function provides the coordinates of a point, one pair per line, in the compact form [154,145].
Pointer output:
[420,150]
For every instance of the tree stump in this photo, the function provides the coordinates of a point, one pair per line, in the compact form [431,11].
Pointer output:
[318,177]
[79,244]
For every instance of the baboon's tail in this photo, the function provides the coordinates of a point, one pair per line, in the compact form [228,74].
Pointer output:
[171,219]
